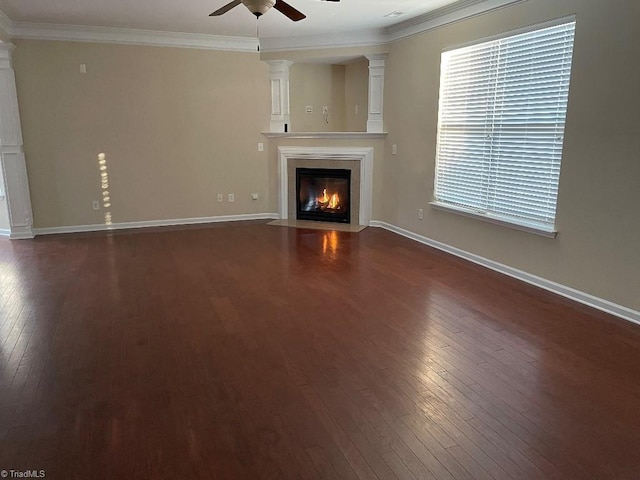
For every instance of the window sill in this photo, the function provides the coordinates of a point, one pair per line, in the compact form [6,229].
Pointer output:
[522,226]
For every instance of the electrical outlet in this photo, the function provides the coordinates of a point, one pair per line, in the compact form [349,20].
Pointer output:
[420,214]
[394,149]
[220,198]
[95,205]
[254,196]
[356,109]
[309,109]
[261,147]
[231,198]
[83,68]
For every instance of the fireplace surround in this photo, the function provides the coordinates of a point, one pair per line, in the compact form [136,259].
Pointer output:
[358,160]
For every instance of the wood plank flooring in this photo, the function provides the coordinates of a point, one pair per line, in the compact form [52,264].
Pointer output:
[248,351]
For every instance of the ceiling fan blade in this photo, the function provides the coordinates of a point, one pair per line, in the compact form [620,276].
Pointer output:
[226,8]
[289,11]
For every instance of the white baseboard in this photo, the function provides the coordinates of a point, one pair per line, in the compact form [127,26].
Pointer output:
[18,233]
[567,292]
[154,223]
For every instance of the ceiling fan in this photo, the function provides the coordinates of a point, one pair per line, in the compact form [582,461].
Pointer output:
[260,7]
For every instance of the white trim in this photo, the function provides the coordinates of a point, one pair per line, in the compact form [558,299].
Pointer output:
[445,16]
[130,36]
[279,76]
[21,233]
[510,33]
[375,121]
[365,38]
[5,233]
[502,221]
[336,135]
[154,223]
[557,288]
[14,167]
[363,155]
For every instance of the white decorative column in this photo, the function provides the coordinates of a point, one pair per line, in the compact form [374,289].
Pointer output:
[11,152]
[279,76]
[376,93]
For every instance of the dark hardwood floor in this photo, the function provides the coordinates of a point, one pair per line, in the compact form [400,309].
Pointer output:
[249,351]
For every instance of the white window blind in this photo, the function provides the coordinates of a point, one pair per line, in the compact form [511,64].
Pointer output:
[501,125]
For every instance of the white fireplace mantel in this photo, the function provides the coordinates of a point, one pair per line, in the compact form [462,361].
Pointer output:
[327,135]
[364,155]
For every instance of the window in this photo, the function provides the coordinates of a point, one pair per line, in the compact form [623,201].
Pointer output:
[501,126]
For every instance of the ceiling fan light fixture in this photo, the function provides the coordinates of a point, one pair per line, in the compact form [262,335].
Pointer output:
[259,7]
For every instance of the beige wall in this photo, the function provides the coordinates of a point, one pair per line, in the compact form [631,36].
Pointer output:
[317,85]
[177,126]
[597,249]
[356,92]
[340,87]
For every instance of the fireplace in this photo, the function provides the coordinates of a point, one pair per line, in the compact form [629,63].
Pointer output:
[357,160]
[323,194]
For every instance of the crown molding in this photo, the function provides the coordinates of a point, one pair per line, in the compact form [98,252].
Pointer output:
[363,38]
[458,11]
[128,36]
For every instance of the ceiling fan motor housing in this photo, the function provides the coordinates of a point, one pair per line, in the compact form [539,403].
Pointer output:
[259,7]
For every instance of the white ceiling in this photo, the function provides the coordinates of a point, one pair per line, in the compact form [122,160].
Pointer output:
[323,18]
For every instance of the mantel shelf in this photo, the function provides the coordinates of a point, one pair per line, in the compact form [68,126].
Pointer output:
[328,135]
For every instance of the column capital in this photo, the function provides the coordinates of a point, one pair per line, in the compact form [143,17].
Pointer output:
[278,65]
[376,59]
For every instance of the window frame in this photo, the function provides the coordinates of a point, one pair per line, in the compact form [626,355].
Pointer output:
[523,224]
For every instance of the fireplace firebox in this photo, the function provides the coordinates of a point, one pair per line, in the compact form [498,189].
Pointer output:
[323,194]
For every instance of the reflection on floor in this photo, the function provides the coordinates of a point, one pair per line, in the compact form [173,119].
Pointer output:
[340,227]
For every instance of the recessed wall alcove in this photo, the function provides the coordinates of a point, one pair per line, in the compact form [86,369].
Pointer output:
[327,98]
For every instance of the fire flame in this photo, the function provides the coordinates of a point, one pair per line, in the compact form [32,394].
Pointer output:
[332,202]
[335,201]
